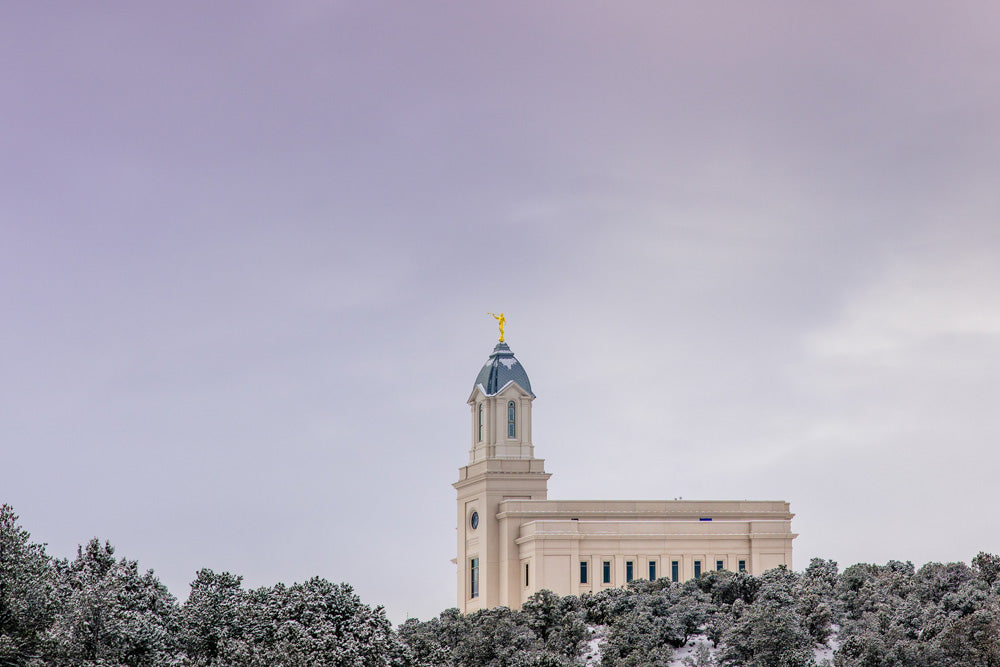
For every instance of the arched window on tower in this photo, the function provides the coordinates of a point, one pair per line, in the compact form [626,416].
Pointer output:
[480,422]
[511,414]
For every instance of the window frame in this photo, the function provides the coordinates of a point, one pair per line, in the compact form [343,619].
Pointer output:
[482,421]
[511,420]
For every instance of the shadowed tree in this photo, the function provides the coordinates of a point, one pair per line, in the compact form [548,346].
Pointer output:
[27,593]
[973,640]
[987,567]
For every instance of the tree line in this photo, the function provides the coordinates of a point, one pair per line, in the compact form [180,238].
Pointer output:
[101,610]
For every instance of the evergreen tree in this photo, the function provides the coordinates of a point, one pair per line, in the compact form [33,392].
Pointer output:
[769,632]
[210,630]
[110,613]
[495,637]
[973,640]
[314,624]
[557,622]
[424,644]
[987,567]
[639,639]
[27,593]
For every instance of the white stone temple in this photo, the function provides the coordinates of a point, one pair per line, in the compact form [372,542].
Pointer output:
[514,541]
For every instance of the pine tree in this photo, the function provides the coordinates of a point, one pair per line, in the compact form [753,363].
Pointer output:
[110,613]
[210,629]
[27,593]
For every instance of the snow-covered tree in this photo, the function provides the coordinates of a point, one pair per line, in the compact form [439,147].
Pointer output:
[210,629]
[495,637]
[640,638]
[27,593]
[316,623]
[110,613]
[556,621]
[973,640]
[815,598]
[987,567]
[424,645]
[770,632]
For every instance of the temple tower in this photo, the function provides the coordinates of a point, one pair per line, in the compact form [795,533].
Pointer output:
[502,466]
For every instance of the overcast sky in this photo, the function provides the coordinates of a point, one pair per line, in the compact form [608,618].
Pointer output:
[247,250]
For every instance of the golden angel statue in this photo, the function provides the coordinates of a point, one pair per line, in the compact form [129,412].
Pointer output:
[502,321]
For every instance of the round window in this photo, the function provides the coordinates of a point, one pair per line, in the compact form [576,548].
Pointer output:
[474,520]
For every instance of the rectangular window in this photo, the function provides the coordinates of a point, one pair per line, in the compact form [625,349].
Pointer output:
[719,565]
[583,571]
[675,571]
[510,419]
[607,572]
[652,570]
[474,577]
[628,571]
[743,566]
[697,569]
[526,580]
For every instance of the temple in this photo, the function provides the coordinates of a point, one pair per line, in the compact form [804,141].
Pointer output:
[514,541]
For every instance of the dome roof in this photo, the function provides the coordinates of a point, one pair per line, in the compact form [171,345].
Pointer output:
[500,370]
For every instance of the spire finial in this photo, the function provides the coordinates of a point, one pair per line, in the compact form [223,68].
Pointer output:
[501,321]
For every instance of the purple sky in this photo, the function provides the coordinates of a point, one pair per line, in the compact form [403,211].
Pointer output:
[247,250]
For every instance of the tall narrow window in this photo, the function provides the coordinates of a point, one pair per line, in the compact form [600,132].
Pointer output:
[628,571]
[526,580]
[720,565]
[675,571]
[474,578]
[743,566]
[697,569]
[481,411]
[607,572]
[652,570]
[583,571]
[511,413]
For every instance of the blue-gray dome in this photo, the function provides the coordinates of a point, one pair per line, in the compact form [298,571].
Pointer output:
[500,370]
